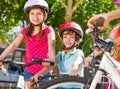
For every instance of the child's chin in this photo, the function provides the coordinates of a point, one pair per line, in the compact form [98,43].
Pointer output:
[68,46]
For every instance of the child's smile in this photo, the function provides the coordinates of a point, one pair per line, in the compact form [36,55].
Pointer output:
[68,39]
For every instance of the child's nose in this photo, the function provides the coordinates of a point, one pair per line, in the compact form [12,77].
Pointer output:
[68,39]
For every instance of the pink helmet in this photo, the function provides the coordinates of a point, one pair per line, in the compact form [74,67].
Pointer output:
[117,2]
[71,26]
[36,3]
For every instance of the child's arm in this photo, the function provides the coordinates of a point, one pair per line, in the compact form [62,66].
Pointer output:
[76,66]
[12,46]
[95,53]
[45,70]
[55,70]
[51,45]
[51,53]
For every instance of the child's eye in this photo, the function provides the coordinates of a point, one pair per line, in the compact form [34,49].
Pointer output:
[64,37]
[39,13]
[72,37]
[31,13]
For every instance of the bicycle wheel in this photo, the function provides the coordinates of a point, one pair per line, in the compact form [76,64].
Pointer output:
[65,82]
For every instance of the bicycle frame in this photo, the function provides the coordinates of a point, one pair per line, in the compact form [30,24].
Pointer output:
[108,64]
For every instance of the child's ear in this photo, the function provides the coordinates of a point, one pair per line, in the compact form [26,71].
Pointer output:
[62,41]
[78,41]
[45,16]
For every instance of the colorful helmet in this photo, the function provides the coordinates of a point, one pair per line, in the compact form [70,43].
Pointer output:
[117,2]
[71,26]
[36,3]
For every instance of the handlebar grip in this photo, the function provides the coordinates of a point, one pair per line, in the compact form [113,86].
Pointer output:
[36,60]
[100,22]
[3,69]
[5,61]
[52,63]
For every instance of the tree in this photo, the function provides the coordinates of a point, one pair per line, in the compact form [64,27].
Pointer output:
[11,14]
[70,8]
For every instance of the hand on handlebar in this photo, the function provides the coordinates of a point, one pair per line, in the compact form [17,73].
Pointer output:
[48,62]
[1,64]
[2,68]
[92,21]
[40,62]
[34,78]
[74,73]
[88,61]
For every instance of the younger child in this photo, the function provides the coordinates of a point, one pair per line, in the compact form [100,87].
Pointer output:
[69,61]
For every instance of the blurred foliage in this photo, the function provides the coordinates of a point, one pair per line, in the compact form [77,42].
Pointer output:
[11,14]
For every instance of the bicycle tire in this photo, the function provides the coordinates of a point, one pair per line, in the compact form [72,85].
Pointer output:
[64,80]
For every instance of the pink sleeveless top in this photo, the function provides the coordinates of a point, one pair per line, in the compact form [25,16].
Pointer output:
[36,49]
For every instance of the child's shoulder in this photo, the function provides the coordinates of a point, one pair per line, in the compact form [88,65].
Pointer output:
[60,52]
[48,29]
[23,31]
[79,51]
[59,55]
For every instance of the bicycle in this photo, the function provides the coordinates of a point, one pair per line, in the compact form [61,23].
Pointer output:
[20,83]
[106,70]
[68,82]
[108,64]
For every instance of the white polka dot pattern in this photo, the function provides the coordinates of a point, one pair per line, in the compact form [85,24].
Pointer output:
[36,49]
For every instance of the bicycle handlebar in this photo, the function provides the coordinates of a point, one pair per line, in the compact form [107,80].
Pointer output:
[38,61]
[34,61]
[95,33]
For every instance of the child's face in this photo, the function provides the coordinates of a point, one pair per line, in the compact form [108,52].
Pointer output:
[36,16]
[68,38]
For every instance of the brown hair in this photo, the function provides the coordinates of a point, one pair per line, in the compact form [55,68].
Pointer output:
[30,30]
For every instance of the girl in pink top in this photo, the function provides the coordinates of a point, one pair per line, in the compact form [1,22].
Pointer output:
[39,39]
